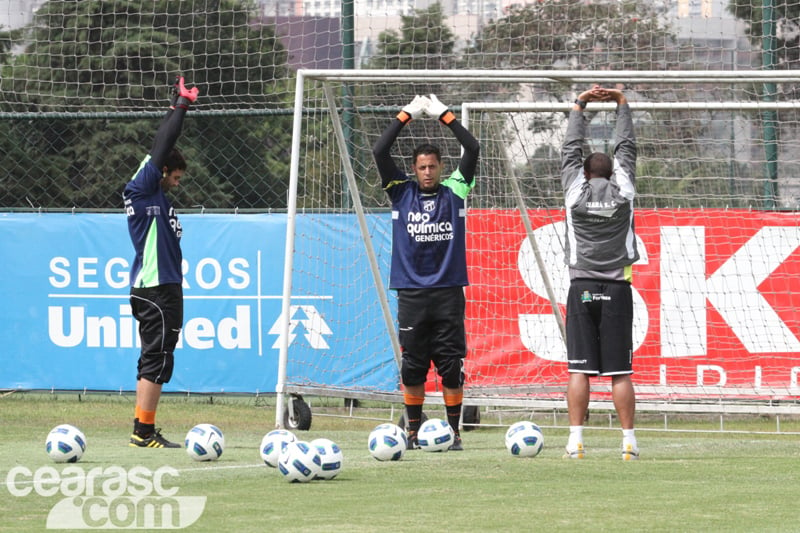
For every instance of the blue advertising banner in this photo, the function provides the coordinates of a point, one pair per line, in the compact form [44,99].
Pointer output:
[66,321]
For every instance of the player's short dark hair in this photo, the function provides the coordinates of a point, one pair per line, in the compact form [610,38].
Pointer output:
[175,161]
[426,149]
[597,165]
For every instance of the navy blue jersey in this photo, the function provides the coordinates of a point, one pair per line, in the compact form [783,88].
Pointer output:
[154,229]
[428,233]
[428,228]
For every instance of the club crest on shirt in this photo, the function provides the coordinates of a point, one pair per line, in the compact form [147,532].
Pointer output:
[428,205]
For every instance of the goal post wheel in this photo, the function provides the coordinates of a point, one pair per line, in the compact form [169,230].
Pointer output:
[402,421]
[470,417]
[297,415]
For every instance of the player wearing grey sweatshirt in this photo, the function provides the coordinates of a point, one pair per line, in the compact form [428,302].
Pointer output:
[600,250]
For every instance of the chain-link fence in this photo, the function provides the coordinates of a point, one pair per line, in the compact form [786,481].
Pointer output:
[83,161]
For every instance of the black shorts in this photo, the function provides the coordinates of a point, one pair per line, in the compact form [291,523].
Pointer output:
[431,329]
[159,311]
[600,327]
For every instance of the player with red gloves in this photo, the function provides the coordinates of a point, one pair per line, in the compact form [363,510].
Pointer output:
[156,294]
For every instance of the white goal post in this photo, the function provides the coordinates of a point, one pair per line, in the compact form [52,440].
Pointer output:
[716,290]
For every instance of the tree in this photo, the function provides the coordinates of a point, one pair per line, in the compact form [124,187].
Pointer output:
[424,42]
[122,56]
[7,40]
[574,34]
[28,179]
[786,16]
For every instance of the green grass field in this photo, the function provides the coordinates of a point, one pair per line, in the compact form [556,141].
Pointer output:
[692,481]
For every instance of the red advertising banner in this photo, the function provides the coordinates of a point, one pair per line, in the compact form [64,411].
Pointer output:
[716,298]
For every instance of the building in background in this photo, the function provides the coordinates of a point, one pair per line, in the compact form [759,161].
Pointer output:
[17,13]
[716,36]
[311,42]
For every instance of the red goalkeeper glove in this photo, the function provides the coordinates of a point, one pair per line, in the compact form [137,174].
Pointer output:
[184,96]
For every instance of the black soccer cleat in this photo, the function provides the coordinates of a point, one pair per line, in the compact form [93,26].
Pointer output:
[413,444]
[156,440]
[456,446]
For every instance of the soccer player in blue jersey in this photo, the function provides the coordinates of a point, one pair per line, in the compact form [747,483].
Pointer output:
[600,249]
[156,294]
[429,261]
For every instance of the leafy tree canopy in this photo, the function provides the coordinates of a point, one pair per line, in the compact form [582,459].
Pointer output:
[118,55]
[786,20]
[573,34]
[424,42]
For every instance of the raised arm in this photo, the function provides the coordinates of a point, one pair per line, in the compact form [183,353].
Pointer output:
[572,149]
[625,143]
[170,128]
[381,150]
[469,159]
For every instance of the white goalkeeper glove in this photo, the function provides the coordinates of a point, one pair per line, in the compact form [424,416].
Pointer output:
[436,109]
[413,110]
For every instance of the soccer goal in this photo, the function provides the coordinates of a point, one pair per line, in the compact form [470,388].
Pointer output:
[716,290]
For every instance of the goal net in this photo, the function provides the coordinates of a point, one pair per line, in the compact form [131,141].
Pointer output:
[715,289]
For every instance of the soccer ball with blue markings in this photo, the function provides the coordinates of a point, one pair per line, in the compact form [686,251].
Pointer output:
[273,443]
[524,439]
[330,456]
[299,462]
[387,442]
[65,444]
[435,435]
[205,442]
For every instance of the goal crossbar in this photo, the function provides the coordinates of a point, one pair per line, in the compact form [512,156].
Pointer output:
[521,107]
[557,76]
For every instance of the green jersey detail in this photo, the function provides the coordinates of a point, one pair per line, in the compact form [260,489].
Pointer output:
[141,166]
[148,275]
[393,183]
[458,184]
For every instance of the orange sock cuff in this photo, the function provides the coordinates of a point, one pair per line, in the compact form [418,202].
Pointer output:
[410,399]
[136,412]
[404,117]
[447,117]
[453,399]
[147,417]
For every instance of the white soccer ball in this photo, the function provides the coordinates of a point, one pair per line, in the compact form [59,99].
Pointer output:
[273,443]
[330,456]
[387,442]
[524,439]
[205,442]
[435,435]
[65,444]
[299,462]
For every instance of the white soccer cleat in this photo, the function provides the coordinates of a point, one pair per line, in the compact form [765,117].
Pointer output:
[575,453]
[630,452]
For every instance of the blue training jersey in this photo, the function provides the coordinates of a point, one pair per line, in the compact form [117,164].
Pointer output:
[154,229]
[429,233]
